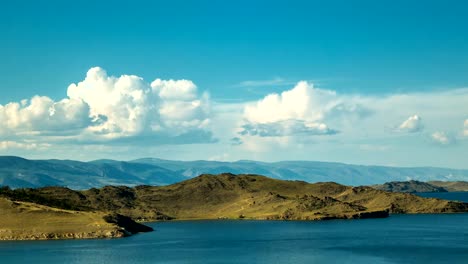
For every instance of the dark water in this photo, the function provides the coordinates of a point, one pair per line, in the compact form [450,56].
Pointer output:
[455,196]
[397,239]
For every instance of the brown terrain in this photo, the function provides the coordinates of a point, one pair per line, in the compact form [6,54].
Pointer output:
[77,214]
[30,221]
[418,186]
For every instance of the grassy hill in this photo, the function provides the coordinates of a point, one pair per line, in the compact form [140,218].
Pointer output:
[239,196]
[21,220]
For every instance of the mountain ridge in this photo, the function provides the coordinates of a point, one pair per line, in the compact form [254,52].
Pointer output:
[237,196]
[18,172]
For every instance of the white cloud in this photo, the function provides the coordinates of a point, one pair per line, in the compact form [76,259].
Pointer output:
[41,115]
[441,138]
[131,107]
[103,107]
[465,128]
[303,102]
[175,90]
[140,118]
[300,110]
[412,124]
[6,145]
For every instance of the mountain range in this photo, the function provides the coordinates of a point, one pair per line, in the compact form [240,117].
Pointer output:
[18,172]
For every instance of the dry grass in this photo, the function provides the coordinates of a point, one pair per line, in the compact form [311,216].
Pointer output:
[239,196]
[23,220]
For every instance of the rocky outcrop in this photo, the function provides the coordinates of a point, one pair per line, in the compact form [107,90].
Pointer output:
[30,221]
[6,234]
[127,224]
[409,187]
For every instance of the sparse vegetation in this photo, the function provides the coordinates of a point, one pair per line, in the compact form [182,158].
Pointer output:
[236,196]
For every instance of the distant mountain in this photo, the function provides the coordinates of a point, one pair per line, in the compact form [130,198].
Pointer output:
[312,171]
[18,172]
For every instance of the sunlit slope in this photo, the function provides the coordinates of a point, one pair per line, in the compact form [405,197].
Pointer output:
[242,196]
[26,221]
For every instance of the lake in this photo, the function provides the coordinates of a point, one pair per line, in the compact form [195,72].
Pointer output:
[397,239]
[455,196]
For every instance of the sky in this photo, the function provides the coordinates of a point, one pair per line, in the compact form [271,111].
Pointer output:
[363,82]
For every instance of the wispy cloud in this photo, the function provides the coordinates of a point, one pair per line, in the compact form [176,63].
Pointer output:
[6,145]
[278,81]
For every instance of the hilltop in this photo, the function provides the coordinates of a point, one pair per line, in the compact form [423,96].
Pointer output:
[238,196]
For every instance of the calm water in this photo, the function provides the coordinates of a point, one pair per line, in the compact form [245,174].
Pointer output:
[398,239]
[456,196]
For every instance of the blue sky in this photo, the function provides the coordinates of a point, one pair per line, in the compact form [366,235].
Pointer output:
[236,54]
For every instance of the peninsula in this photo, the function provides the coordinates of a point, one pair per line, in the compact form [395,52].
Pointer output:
[60,213]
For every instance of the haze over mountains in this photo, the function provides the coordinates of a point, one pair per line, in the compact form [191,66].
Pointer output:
[17,172]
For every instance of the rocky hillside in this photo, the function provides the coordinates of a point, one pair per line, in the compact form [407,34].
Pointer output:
[409,187]
[21,220]
[238,196]
[455,186]
[417,186]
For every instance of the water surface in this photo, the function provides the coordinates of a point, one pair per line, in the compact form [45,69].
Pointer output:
[454,196]
[397,239]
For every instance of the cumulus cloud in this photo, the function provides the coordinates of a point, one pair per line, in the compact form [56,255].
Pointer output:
[441,138]
[301,110]
[41,115]
[411,125]
[103,107]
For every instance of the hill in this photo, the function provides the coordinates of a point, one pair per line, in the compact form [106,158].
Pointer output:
[22,173]
[457,186]
[417,186]
[241,196]
[409,187]
[30,221]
